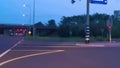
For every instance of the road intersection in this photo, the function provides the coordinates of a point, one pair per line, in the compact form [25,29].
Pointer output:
[29,54]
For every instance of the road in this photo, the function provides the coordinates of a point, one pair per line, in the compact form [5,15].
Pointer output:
[45,55]
[7,42]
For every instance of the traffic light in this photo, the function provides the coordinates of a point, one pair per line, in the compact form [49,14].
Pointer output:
[29,32]
[72,1]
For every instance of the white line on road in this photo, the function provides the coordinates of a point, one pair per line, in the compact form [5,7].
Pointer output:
[30,50]
[90,45]
[4,53]
[51,46]
[31,55]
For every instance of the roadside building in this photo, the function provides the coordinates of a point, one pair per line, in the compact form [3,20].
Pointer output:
[23,30]
[13,30]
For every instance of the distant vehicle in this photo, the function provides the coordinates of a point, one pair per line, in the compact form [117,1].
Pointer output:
[19,34]
[11,34]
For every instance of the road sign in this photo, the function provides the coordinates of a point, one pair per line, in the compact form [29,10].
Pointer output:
[110,27]
[99,1]
[110,24]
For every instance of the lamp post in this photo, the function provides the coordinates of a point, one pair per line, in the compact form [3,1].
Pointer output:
[33,18]
[29,30]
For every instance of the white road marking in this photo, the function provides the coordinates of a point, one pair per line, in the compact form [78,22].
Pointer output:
[30,50]
[93,45]
[31,55]
[90,45]
[4,53]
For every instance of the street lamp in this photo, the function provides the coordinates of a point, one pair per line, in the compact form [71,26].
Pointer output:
[23,15]
[24,5]
[33,18]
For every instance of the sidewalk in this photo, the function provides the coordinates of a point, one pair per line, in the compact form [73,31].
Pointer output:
[101,44]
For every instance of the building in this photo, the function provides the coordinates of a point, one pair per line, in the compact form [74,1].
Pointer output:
[13,30]
[22,30]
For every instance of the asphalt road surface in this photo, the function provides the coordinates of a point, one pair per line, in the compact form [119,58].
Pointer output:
[39,55]
[7,42]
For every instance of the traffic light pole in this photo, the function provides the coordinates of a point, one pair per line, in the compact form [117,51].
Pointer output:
[87,28]
[110,38]
[88,12]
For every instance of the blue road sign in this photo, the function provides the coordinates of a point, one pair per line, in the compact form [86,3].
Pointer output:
[99,1]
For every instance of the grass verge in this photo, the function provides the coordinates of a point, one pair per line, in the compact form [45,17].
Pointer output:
[55,39]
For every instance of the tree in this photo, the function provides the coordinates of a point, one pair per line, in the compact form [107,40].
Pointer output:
[115,30]
[72,26]
[51,28]
[39,25]
[98,25]
[51,23]
[75,25]
[38,28]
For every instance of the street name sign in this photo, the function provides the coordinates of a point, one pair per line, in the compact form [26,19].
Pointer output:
[99,1]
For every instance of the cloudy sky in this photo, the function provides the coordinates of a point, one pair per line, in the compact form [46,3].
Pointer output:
[11,11]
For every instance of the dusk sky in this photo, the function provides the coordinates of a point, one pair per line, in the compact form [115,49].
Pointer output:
[11,11]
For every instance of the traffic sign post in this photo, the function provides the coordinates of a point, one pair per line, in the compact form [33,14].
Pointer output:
[87,28]
[109,25]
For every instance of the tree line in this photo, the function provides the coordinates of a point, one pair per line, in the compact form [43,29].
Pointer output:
[74,26]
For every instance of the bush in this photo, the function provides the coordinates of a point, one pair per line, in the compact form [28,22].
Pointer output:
[100,39]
